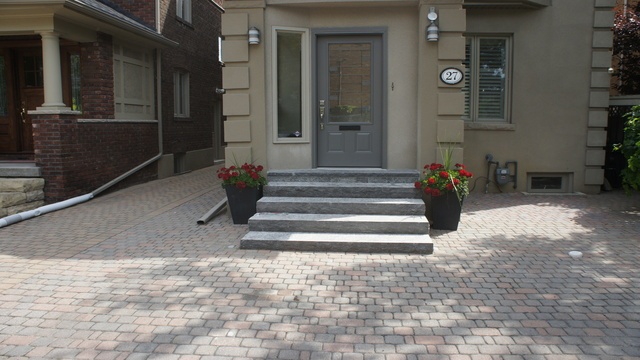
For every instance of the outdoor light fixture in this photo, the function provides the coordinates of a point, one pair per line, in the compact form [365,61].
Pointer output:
[432,29]
[254,36]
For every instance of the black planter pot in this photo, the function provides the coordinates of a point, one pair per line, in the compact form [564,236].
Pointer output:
[242,203]
[445,211]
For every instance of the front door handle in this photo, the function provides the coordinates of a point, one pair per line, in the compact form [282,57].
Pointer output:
[321,107]
[23,113]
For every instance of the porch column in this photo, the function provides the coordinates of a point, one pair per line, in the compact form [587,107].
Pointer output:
[51,72]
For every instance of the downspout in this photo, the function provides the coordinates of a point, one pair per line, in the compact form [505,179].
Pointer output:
[25,215]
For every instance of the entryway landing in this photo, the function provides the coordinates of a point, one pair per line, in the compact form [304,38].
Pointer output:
[343,210]
[19,168]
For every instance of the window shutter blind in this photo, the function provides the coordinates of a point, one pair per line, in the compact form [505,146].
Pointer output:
[492,62]
[467,78]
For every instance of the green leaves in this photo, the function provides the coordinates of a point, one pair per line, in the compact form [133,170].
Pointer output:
[630,148]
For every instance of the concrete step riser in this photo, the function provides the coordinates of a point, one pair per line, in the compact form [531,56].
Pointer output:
[340,208]
[344,176]
[338,226]
[341,192]
[408,244]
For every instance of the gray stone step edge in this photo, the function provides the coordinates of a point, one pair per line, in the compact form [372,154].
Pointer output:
[319,205]
[338,242]
[344,175]
[340,223]
[355,190]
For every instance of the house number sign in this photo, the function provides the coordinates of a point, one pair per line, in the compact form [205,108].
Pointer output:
[451,76]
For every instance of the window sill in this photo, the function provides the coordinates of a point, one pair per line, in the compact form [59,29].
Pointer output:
[184,22]
[489,126]
[182,118]
[118,121]
[299,140]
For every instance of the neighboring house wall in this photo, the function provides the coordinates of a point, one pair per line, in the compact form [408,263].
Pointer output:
[188,139]
[142,11]
[126,82]
[80,152]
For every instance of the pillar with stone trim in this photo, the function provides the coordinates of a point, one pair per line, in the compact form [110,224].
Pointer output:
[441,105]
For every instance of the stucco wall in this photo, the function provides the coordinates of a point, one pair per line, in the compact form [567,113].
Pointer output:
[402,69]
[552,59]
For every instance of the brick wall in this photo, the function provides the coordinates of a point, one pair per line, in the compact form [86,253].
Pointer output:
[197,54]
[141,11]
[97,78]
[77,158]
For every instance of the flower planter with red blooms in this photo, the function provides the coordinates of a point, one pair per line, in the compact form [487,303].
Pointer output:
[243,185]
[444,189]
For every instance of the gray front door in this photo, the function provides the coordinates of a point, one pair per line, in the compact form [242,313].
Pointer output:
[349,101]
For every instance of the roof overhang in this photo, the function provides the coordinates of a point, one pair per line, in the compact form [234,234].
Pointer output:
[74,20]
[506,4]
[338,3]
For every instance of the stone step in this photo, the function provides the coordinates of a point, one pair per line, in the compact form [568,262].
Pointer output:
[19,169]
[21,184]
[342,190]
[317,205]
[338,242]
[344,176]
[339,223]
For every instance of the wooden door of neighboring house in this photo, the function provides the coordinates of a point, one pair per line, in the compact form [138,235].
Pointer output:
[30,93]
[21,90]
[8,130]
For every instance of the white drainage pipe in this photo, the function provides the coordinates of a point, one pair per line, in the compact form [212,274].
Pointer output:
[12,219]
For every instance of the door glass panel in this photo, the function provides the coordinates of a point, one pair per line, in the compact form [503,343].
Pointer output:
[4,103]
[32,70]
[289,84]
[76,100]
[350,83]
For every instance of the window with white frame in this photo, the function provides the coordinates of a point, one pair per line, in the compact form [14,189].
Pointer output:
[487,78]
[183,10]
[291,85]
[181,93]
[133,83]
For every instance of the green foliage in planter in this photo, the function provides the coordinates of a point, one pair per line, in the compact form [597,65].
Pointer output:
[630,148]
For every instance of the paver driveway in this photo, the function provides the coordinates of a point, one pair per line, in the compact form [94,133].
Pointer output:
[130,275]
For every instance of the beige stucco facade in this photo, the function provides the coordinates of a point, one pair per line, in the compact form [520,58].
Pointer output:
[557,95]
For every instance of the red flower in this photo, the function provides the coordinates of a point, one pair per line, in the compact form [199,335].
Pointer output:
[241,185]
[435,192]
[436,166]
[444,174]
[456,182]
[460,166]
[449,186]
[417,184]
[431,180]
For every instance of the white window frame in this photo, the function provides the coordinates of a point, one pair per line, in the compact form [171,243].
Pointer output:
[472,76]
[305,86]
[183,10]
[146,100]
[181,96]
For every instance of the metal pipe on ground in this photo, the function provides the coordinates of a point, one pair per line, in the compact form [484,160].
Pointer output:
[215,211]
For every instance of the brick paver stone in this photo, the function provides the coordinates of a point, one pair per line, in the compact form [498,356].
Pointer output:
[131,275]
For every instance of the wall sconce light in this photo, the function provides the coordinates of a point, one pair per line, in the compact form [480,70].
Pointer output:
[432,30]
[254,36]
[221,91]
